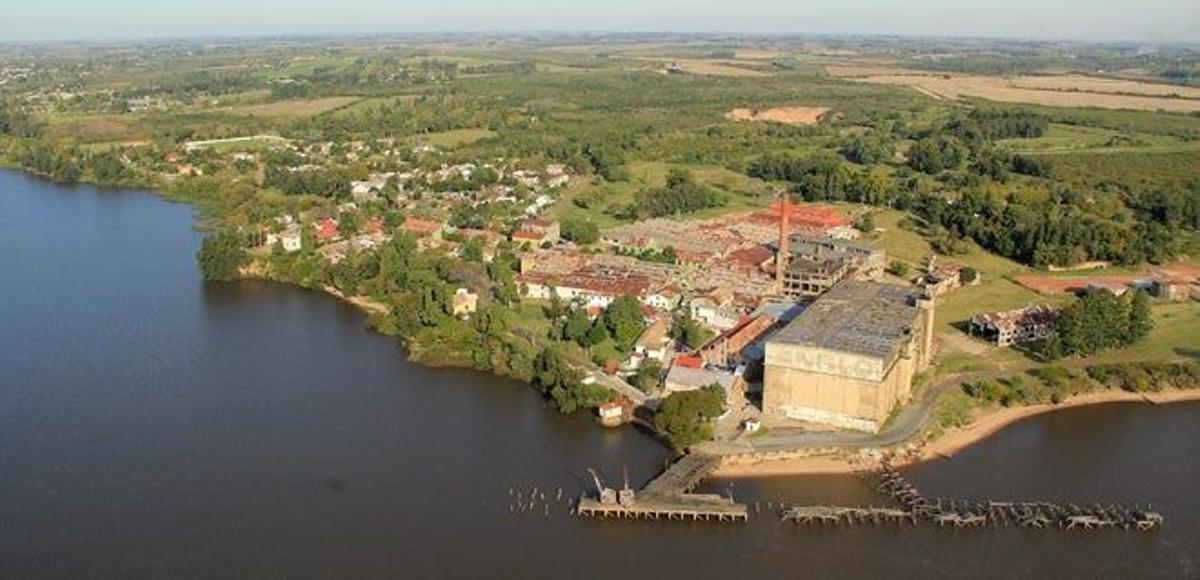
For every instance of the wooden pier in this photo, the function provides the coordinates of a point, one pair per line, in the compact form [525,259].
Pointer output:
[967,514]
[683,507]
[667,497]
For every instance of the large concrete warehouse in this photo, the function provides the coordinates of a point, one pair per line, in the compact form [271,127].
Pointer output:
[850,357]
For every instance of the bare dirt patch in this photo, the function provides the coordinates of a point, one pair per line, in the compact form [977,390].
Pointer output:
[799,116]
[1049,90]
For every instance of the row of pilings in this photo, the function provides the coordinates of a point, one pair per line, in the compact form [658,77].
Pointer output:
[916,507]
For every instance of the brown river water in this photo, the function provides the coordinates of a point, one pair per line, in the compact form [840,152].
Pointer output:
[153,426]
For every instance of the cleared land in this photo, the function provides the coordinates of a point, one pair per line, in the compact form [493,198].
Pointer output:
[787,115]
[1055,91]
[305,108]
[1072,82]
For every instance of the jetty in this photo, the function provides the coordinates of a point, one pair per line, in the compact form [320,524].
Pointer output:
[915,507]
[668,497]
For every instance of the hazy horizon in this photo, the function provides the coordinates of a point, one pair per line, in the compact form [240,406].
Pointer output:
[1155,21]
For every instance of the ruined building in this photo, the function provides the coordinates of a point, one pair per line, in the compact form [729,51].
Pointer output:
[813,265]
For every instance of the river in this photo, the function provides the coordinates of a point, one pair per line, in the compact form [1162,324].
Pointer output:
[154,426]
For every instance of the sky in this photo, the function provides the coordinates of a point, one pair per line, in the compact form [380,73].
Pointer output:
[1133,20]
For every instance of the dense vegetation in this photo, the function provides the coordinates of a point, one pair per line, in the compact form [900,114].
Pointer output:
[220,255]
[1055,384]
[686,418]
[1100,321]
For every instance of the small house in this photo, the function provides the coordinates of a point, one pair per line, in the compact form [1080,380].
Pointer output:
[465,302]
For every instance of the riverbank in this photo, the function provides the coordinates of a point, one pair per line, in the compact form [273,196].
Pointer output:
[950,442]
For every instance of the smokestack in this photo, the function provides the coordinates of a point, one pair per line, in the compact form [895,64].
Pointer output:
[785,242]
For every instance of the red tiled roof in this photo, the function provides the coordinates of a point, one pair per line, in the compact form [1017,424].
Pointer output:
[813,216]
[327,229]
[690,362]
[420,226]
[528,235]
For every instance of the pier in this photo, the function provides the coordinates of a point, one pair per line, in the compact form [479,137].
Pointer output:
[914,507]
[667,497]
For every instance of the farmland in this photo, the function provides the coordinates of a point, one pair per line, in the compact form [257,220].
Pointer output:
[1050,90]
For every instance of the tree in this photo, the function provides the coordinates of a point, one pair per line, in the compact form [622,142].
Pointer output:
[968,275]
[866,150]
[597,334]
[504,282]
[686,330]
[556,378]
[866,223]
[1099,321]
[1140,319]
[936,154]
[220,256]
[681,195]
[648,376]
[624,320]
[577,326]
[580,231]
[686,417]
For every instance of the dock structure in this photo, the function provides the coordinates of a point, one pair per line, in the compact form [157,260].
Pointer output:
[686,507]
[667,497]
[914,507]
[683,475]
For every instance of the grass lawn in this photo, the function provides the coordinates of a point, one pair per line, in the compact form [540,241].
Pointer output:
[901,244]
[734,187]
[454,138]
[1176,335]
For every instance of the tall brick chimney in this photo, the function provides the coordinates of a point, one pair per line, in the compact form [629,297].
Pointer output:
[785,250]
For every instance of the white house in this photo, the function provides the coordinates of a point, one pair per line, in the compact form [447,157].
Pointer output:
[290,238]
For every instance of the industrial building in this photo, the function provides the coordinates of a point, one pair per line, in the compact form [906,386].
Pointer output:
[850,357]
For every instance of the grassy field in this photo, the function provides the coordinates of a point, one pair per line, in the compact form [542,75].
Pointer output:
[1176,335]
[739,191]
[454,138]
[304,108]
[1063,138]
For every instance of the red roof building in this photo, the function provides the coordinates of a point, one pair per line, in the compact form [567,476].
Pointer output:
[327,230]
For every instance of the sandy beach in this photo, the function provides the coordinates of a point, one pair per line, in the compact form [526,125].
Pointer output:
[952,441]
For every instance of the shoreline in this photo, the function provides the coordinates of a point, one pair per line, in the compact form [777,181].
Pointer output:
[952,441]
